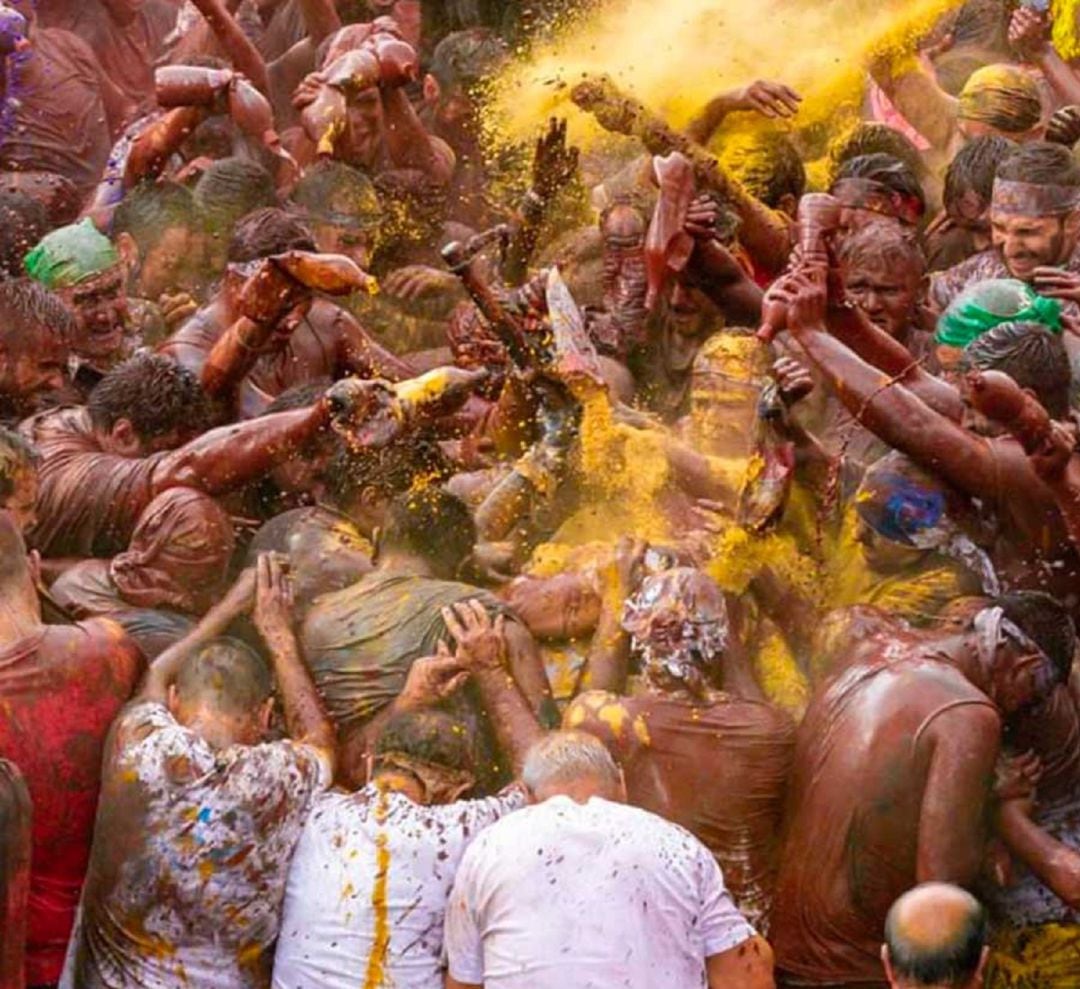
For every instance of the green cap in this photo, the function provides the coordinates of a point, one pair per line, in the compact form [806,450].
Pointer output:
[71,255]
[990,303]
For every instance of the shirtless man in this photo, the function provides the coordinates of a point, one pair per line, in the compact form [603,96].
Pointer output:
[714,760]
[61,687]
[893,766]
[317,343]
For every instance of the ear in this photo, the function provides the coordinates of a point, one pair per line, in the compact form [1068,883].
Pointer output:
[128,250]
[124,436]
[266,712]
[172,699]
[888,965]
[788,204]
[432,89]
[984,958]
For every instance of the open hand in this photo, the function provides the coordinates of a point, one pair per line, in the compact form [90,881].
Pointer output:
[1064,126]
[273,599]
[481,643]
[1057,283]
[793,378]
[770,99]
[554,164]
[1029,32]
[431,679]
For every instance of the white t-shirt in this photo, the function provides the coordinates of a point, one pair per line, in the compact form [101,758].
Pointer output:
[367,890]
[591,896]
[190,857]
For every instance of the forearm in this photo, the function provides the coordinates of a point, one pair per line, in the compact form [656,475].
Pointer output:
[231,456]
[1066,491]
[706,123]
[1062,78]
[305,717]
[321,19]
[1055,864]
[233,357]
[608,662]
[242,53]
[524,238]
[923,103]
[361,355]
[151,150]
[213,624]
[408,142]
[876,347]
[516,726]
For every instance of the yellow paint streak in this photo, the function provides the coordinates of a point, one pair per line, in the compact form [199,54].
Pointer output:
[375,975]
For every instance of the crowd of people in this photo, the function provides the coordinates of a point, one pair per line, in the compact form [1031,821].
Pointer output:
[427,560]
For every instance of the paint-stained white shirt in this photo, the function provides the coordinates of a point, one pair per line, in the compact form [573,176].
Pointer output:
[367,891]
[590,896]
[190,857]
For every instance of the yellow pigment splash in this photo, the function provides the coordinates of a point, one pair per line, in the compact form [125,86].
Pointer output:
[676,56]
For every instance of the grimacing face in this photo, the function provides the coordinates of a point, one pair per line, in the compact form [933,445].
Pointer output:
[888,296]
[1030,242]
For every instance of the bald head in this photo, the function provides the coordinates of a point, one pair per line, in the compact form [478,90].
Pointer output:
[934,937]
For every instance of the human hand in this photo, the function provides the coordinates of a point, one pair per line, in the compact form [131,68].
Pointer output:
[309,89]
[1064,126]
[627,565]
[1052,456]
[770,99]
[415,281]
[1029,32]
[1057,283]
[481,643]
[554,164]
[805,296]
[793,379]
[430,680]
[701,218]
[1016,777]
[176,308]
[273,609]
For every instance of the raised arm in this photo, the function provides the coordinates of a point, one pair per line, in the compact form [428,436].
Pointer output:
[482,650]
[241,51]
[305,717]
[889,410]
[916,94]
[608,662]
[1029,35]
[770,99]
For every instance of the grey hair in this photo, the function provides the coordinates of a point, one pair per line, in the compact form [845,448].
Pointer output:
[563,757]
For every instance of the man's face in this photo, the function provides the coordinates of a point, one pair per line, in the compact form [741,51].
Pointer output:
[353,242]
[1021,680]
[172,265]
[888,296]
[365,129]
[99,305]
[1029,242]
[30,376]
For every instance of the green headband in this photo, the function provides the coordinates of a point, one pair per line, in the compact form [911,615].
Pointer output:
[965,320]
[71,255]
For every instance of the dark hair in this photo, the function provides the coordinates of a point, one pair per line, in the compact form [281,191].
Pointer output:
[1030,354]
[28,311]
[227,675]
[974,167]
[465,58]
[950,962]
[881,243]
[152,208]
[266,232]
[433,524]
[156,394]
[1040,163]
[392,470]
[1047,622]
[17,455]
[299,396]
[429,736]
[768,164]
[23,222]
[334,189]
[869,137]
[887,170]
[231,188]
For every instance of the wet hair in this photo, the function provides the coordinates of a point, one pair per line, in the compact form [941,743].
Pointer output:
[152,208]
[232,188]
[974,167]
[433,524]
[266,232]
[465,58]
[28,311]
[1040,163]
[429,736]
[562,757]
[23,222]
[1047,622]
[392,470]
[332,188]
[881,244]
[869,137]
[1030,354]
[154,393]
[299,396]
[950,961]
[887,170]
[17,455]
[768,164]
[228,676]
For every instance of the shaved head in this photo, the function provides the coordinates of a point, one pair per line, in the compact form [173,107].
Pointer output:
[935,935]
[226,677]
